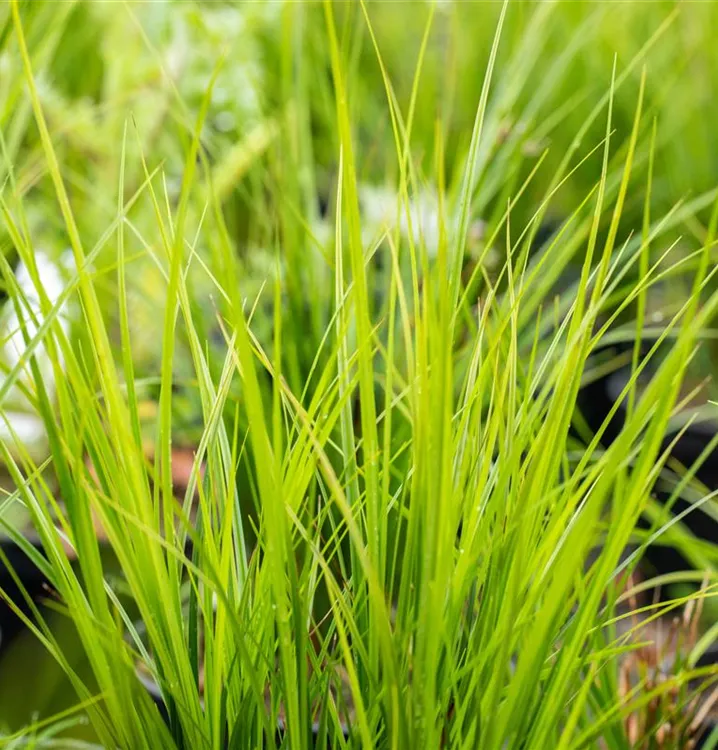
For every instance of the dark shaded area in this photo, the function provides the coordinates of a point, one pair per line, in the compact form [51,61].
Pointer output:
[33,581]
[595,402]
[318,734]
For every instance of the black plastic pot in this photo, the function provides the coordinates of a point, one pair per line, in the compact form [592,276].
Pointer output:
[595,402]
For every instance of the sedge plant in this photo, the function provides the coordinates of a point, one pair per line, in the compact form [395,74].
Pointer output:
[390,536]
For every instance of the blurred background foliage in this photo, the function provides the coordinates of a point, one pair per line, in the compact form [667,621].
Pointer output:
[270,131]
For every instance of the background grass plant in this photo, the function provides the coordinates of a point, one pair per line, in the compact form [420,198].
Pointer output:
[392,529]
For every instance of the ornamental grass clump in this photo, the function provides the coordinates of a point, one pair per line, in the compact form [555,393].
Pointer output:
[393,531]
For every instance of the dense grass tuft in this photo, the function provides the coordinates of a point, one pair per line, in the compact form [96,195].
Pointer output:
[310,470]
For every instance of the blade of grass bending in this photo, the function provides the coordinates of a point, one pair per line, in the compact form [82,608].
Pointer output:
[469,177]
